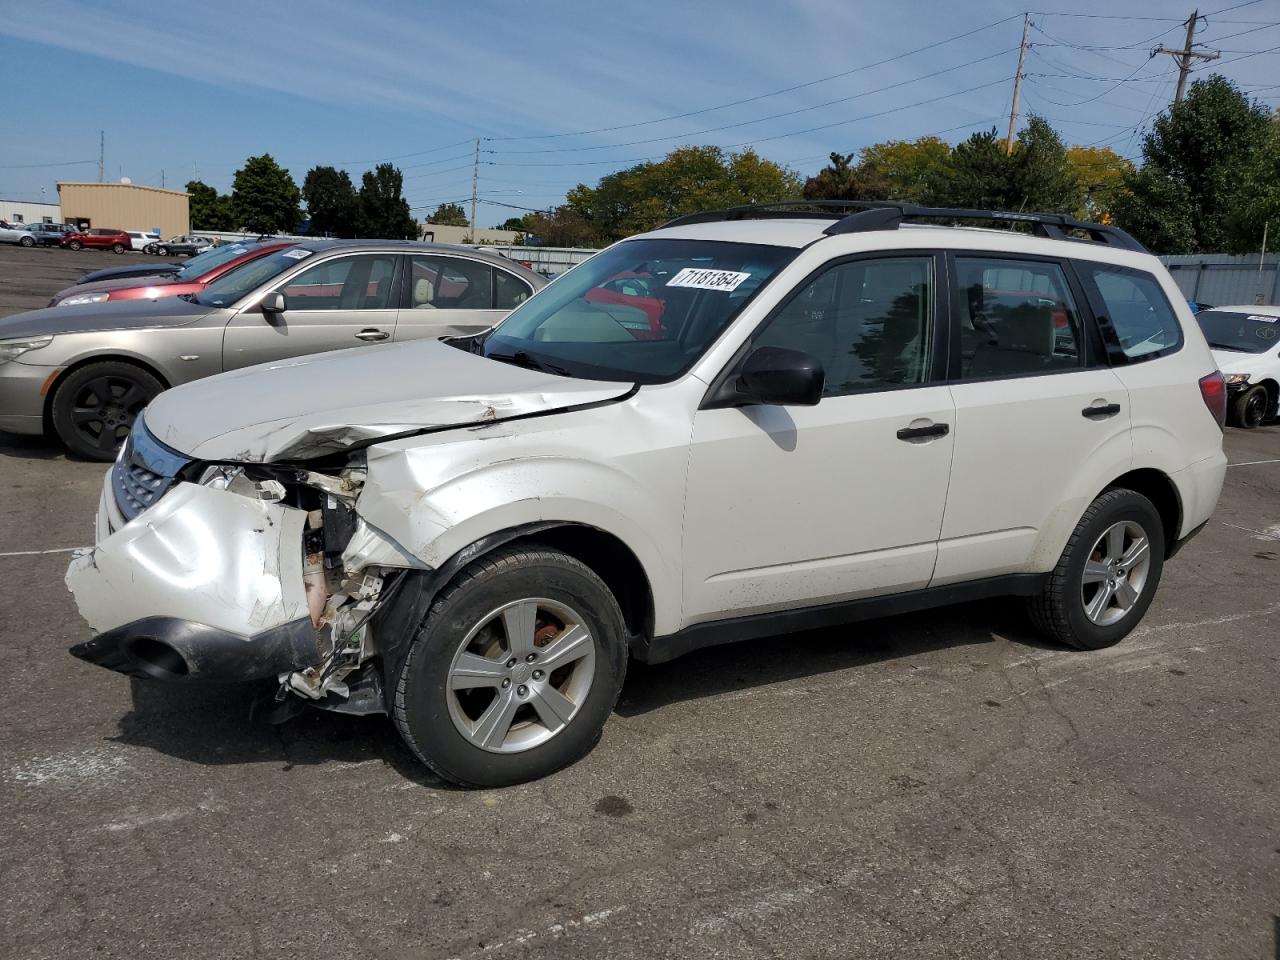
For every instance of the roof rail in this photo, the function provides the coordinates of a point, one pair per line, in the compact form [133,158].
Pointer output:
[858,216]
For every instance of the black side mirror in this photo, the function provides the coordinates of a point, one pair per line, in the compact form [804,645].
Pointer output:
[273,302]
[775,375]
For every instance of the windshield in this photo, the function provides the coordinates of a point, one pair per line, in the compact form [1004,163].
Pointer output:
[642,311]
[204,262]
[247,277]
[1242,332]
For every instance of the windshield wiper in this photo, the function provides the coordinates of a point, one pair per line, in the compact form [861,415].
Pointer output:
[522,359]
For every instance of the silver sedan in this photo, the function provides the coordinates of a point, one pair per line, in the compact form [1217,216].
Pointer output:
[86,371]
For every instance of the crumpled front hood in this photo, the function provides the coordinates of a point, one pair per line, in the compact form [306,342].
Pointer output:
[95,317]
[325,403]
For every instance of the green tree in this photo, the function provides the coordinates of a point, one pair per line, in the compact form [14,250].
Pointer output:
[513,223]
[264,197]
[384,212]
[561,227]
[1201,161]
[1034,177]
[841,179]
[1100,175]
[332,203]
[210,210]
[912,169]
[687,180]
[1260,191]
[450,215]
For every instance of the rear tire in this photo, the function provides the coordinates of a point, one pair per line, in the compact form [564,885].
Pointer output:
[1105,579]
[94,407]
[28,241]
[1250,408]
[474,706]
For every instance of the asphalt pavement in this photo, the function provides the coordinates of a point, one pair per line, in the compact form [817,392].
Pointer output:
[943,784]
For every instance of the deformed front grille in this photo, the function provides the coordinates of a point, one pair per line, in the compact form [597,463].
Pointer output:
[144,472]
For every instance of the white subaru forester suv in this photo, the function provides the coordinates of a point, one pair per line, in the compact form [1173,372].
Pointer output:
[745,423]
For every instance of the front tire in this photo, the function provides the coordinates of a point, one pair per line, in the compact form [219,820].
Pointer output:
[1250,408]
[94,407]
[514,671]
[75,245]
[162,251]
[117,248]
[1107,575]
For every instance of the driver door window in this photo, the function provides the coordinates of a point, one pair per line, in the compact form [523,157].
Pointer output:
[335,304]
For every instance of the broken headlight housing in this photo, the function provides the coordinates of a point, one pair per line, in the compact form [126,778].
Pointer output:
[1237,379]
[220,476]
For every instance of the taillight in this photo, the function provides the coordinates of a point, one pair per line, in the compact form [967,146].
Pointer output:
[1213,388]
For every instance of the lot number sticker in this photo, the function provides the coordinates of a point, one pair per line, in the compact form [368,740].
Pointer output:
[726,280]
[297,254]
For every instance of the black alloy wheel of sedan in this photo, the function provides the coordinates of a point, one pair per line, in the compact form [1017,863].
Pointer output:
[94,407]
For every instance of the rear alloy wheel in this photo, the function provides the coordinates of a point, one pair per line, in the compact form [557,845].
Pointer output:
[1250,407]
[28,241]
[514,671]
[95,406]
[1107,575]
[75,245]
[117,248]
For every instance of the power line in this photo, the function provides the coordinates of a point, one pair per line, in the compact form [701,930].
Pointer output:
[763,96]
[775,116]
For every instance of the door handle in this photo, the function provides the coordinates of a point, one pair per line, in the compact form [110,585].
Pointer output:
[371,334]
[1100,411]
[924,433]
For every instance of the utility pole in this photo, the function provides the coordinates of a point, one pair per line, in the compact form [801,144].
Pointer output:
[1186,55]
[102,146]
[1017,85]
[162,178]
[475,187]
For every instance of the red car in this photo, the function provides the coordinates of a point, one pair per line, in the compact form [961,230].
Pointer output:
[198,273]
[632,290]
[117,241]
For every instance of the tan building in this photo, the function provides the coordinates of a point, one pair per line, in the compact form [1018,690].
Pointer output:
[126,206]
[443,233]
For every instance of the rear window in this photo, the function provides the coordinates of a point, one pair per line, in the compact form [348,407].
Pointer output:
[1241,332]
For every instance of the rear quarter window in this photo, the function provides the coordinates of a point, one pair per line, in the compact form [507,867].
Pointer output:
[1142,322]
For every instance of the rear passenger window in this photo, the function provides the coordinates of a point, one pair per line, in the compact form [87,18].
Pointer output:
[511,291]
[1144,321]
[1016,317]
[451,283]
[870,323]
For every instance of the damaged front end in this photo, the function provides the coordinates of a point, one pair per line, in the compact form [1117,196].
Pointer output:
[237,571]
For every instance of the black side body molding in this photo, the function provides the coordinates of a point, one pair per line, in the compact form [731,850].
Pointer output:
[717,632]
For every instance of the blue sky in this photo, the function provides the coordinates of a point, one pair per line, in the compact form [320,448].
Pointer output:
[195,88]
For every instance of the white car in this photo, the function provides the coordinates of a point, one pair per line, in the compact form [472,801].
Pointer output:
[803,418]
[17,233]
[1246,344]
[142,241]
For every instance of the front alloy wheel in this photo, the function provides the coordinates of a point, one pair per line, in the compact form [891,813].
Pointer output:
[95,406]
[514,670]
[521,675]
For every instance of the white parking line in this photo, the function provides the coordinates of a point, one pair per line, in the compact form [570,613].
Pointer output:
[40,553]
[1251,463]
